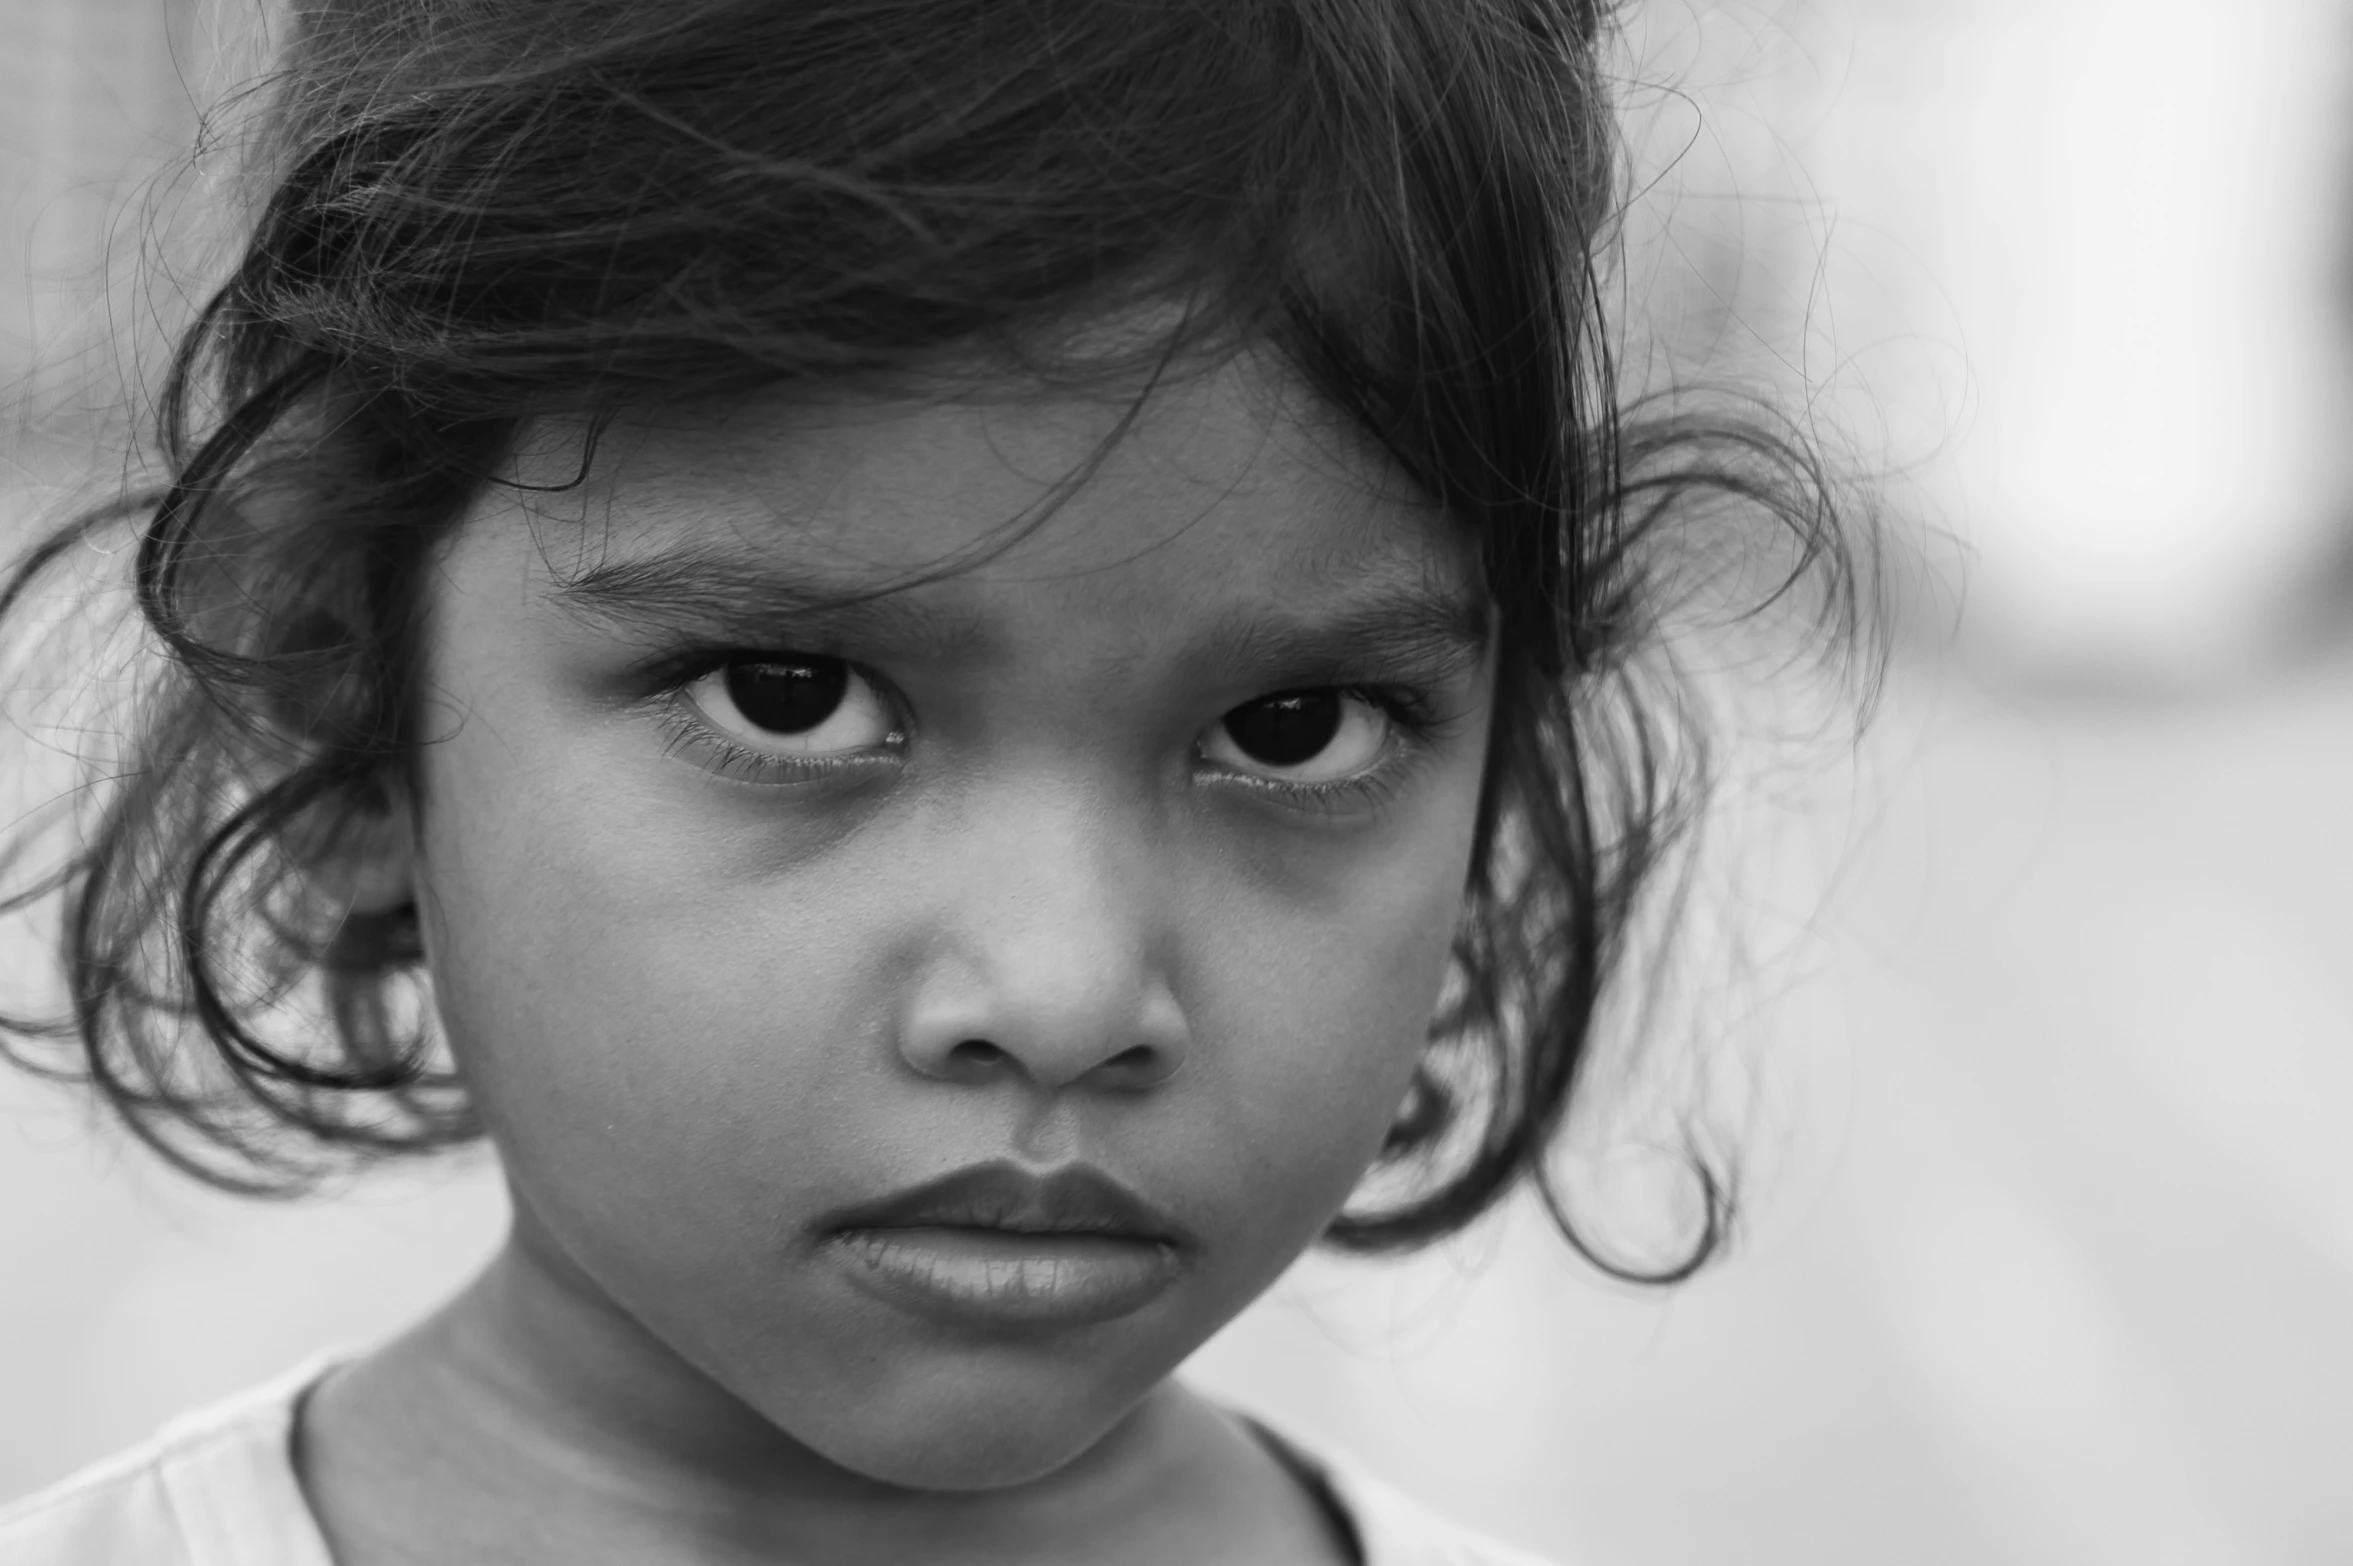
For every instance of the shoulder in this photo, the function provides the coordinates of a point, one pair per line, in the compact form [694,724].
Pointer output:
[213,1488]
[118,1510]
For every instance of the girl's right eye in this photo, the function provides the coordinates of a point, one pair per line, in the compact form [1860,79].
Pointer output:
[794,706]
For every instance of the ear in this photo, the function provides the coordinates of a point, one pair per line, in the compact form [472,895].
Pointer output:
[357,856]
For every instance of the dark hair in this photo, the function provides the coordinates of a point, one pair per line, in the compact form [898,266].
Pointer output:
[475,213]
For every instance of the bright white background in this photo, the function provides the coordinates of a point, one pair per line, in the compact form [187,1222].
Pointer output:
[2052,1238]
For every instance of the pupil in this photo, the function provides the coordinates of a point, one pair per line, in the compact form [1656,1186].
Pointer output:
[788,698]
[1285,730]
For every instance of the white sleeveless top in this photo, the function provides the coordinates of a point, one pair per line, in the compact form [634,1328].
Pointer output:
[217,1488]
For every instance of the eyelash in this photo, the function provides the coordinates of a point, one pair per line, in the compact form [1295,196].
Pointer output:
[689,735]
[1410,712]
[1412,724]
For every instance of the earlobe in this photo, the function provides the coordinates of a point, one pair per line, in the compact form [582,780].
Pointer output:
[360,883]
[382,881]
[363,863]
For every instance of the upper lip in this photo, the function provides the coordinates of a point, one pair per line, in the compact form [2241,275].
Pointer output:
[1074,1199]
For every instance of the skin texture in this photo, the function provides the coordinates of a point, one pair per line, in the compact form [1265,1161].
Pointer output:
[1051,919]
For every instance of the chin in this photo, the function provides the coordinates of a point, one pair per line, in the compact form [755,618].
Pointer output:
[970,1432]
[988,1449]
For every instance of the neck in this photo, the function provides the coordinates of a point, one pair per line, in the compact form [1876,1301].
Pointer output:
[531,1419]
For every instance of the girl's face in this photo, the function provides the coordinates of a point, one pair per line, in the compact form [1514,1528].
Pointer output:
[924,1018]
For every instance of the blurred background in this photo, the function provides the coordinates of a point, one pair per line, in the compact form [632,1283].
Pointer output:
[2047,1033]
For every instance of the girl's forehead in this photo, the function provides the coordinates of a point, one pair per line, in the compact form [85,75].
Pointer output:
[1222,487]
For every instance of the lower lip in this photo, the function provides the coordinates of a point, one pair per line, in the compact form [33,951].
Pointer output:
[1007,1278]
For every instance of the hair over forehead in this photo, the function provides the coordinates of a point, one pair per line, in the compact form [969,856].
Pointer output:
[495,207]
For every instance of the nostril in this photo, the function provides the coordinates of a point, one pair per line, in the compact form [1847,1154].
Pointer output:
[1137,1060]
[975,1054]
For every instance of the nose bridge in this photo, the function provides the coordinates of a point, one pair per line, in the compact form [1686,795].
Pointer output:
[1048,954]
[1049,903]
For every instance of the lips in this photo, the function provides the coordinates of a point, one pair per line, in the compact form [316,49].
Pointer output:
[999,1246]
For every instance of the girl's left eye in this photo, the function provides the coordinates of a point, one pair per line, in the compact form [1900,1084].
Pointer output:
[794,706]
[1312,736]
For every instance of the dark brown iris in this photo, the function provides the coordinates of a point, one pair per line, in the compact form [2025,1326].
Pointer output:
[791,697]
[1286,729]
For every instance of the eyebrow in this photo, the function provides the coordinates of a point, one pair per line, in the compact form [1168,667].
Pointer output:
[1390,624]
[696,592]
[1415,628]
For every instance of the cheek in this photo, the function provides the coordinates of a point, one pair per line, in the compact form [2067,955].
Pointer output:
[629,1002]
[639,1014]
[1323,1008]
[625,1028]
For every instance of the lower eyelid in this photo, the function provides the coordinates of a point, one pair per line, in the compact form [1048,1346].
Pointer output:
[686,730]
[1361,794]
[1397,757]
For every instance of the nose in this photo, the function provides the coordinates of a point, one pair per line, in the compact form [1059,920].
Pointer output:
[1042,965]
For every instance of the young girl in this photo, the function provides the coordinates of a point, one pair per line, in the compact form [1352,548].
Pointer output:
[965,668]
